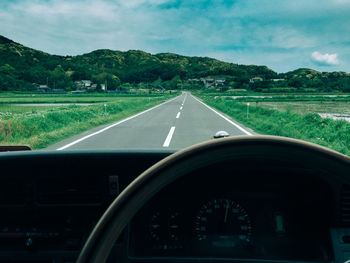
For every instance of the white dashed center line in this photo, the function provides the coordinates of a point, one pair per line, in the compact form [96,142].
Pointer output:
[168,138]
[113,125]
[184,100]
[178,115]
[181,108]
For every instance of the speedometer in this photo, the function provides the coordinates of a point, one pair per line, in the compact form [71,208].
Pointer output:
[223,223]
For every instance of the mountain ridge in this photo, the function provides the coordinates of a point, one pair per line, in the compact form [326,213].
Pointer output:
[20,66]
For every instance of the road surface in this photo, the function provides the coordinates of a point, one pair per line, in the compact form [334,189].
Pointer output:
[175,124]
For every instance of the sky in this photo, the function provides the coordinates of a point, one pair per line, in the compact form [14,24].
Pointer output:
[283,35]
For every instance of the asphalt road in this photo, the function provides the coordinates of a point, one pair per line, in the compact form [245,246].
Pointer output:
[177,123]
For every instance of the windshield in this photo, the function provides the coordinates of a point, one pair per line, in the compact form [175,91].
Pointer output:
[167,74]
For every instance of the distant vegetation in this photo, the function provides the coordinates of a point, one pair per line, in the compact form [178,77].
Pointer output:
[24,69]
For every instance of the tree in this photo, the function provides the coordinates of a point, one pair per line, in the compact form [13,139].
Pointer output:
[157,82]
[7,70]
[36,74]
[175,82]
[59,79]
[7,82]
[81,73]
[112,81]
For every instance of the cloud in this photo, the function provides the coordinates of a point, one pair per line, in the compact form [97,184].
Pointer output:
[342,1]
[279,34]
[325,59]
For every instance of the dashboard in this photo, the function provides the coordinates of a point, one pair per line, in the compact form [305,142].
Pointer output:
[50,201]
[270,214]
[246,211]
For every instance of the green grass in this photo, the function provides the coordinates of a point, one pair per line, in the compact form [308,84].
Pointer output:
[69,98]
[41,126]
[309,127]
[8,110]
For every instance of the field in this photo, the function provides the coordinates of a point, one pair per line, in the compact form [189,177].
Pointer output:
[334,134]
[331,107]
[50,118]
[277,96]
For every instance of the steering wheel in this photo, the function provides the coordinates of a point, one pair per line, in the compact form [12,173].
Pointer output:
[101,240]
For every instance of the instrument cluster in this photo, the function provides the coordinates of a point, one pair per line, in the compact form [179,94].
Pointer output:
[256,216]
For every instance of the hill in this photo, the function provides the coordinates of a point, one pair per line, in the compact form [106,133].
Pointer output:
[21,66]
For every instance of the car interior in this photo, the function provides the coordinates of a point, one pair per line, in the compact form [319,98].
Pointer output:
[233,199]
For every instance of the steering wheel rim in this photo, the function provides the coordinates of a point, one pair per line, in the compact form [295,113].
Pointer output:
[101,240]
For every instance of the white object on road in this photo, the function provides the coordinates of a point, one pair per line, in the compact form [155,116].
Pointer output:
[221,134]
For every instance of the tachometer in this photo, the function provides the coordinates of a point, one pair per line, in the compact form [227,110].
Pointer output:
[165,230]
[223,223]
[156,226]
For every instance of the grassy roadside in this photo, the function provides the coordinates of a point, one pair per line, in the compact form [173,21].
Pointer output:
[40,128]
[308,127]
[22,98]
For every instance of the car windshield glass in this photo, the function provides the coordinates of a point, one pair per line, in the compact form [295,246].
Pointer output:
[167,74]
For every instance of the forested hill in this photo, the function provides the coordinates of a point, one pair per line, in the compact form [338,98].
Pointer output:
[21,66]
[18,62]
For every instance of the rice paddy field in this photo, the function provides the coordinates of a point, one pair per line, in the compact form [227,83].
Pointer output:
[336,107]
[337,110]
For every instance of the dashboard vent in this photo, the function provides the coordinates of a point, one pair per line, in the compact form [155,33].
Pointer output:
[345,206]
[74,190]
[13,191]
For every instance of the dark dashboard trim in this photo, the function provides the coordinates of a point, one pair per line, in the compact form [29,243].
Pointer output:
[266,148]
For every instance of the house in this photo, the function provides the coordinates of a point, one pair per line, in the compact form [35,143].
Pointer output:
[83,84]
[192,81]
[255,79]
[220,82]
[207,82]
[43,88]
[87,83]
[92,87]
[277,80]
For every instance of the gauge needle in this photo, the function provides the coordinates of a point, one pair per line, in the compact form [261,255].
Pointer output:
[226,211]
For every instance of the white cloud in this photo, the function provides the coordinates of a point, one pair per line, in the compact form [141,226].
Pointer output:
[281,35]
[325,59]
[138,3]
[342,1]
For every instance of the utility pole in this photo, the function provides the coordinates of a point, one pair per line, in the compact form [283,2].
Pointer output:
[247,110]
